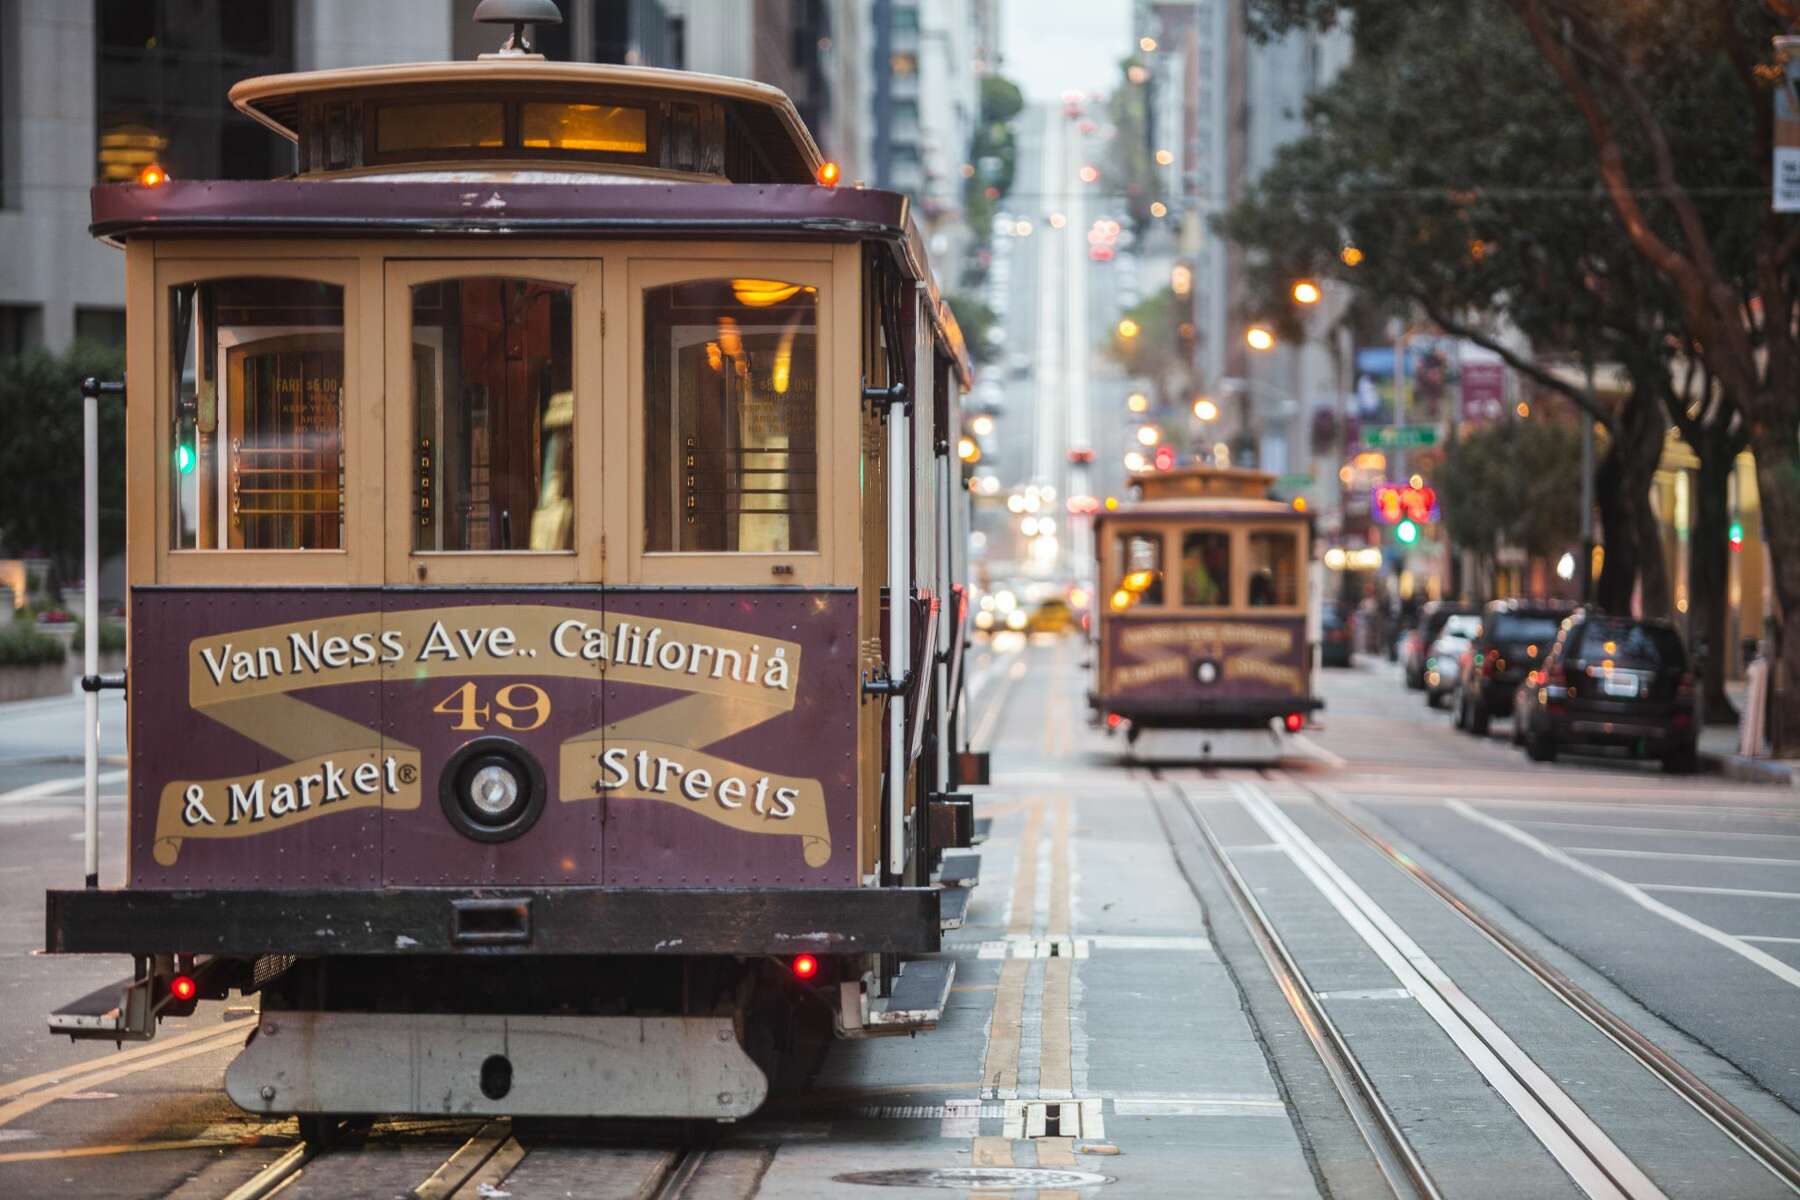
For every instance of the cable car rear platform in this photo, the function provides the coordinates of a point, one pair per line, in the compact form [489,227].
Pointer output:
[494,920]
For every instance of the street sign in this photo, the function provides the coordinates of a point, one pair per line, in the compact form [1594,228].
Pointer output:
[1402,437]
[1298,479]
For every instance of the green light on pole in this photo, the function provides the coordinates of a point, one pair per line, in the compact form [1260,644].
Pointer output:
[184,459]
[1735,535]
[1407,531]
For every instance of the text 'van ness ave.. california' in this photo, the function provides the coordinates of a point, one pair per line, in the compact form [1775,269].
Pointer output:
[313,653]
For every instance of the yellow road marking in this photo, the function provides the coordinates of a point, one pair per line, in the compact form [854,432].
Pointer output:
[992,1152]
[1024,895]
[1055,1151]
[125,1148]
[1001,1068]
[12,1111]
[973,987]
[64,1074]
[1056,1066]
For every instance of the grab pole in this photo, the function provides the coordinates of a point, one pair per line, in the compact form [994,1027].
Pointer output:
[90,619]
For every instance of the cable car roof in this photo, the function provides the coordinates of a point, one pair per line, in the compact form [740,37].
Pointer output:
[767,116]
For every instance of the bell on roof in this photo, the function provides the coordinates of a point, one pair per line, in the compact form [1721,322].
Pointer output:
[518,14]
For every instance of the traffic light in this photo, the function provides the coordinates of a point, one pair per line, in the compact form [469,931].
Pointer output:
[184,458]
[1736,535]
[1407,531]
[1165,458]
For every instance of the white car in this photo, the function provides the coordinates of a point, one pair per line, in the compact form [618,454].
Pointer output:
[1443,660]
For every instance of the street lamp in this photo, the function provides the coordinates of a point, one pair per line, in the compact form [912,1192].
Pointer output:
[1205,409]
[1259,338]
[1137,402]
[1127,328]
[1148,435]
[1350,256]
[1306,292]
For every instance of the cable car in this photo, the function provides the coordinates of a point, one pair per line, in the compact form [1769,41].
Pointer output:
[546,606]
[1205,615]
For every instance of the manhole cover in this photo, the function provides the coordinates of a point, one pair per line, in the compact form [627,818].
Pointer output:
[1001,1178]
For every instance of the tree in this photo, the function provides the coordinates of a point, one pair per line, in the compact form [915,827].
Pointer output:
[1507,485]
[975,318]
[41,459]
[1695,234]
[1448,154]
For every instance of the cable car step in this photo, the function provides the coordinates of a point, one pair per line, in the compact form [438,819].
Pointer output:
[983,827]
[953,907]
[918,998]
[118,1012]
[960,870]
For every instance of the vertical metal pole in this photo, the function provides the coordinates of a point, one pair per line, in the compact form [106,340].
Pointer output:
[884,93]
[1586,572]
[1399,471]
[899,478]
[90,602]
[941,687]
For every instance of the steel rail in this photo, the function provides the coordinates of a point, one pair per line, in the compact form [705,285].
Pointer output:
[1394,1156]
[678,1173]
[1775,1155]
[276,1175]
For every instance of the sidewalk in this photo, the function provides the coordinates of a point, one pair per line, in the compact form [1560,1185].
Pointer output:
[1719,750]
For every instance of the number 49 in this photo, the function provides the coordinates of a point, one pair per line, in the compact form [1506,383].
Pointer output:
[512,700]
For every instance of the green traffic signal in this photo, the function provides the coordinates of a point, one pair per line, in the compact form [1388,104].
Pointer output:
[1407,531]
[1735,535]
[184,459]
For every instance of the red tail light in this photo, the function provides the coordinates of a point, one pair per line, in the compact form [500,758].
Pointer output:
[805,966]
[1294,721]
[1684,689]
[1555,676]
[1114,720]
[183,988]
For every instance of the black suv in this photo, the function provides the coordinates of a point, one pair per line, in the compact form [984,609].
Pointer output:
[1515,636]
[1612,681]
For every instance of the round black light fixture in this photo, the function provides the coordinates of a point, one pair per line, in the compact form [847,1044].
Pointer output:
[492,789]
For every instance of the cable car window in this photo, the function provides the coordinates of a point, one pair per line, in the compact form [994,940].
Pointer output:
[603,127]
[1140,570]
[1274,569]
[1206,568]
[257,390]
[468,125]
[731,416]
[493,412]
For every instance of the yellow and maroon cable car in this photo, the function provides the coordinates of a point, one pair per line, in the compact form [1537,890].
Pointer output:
[1203,606]
[545,597]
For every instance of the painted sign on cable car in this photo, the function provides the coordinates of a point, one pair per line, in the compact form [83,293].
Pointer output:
[334,735]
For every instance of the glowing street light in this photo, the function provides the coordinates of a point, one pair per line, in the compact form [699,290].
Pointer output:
[1148,435]
[1158,209]
[967,450]
[1205,409]
[1306,292]
[1350,256]
[982,425]
[1259,338]
[1089,174]
[1137,402]
[1135,461]
[1164,157]
[1127,328]
[1057,220]
[1147,44]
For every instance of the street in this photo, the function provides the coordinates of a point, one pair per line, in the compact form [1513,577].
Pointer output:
[1113,1027]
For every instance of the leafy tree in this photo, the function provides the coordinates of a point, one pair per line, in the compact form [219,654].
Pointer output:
[975,318]
[1447,154]
[40,455]
[1675,100]
[1508,485]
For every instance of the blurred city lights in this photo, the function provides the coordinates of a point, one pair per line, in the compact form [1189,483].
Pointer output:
[982,425]
[1147,44]
[1306,292]
[967,450]
[1127,328]
[1164,157]
[1134,462]
[1137,402]
[1089,173]
[1350,256]
[1137,73]
[1181,279]
[1148,435]
[1205,409]
[1259,337]
[1158,209]
[1057,220]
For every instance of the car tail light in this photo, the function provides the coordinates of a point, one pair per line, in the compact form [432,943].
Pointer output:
[1114,720]
[805,966]
[1555,676]
[1488,663]
[1684,688]
[1294,721]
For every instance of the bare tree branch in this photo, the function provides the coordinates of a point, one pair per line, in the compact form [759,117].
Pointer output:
[1525,366]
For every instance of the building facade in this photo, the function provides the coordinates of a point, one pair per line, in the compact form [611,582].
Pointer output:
[93,90]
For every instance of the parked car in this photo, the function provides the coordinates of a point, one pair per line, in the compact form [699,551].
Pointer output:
[1052,615]
[1611,681]
[1515,636]
[1417,645]
[1337,637]
[1443,664]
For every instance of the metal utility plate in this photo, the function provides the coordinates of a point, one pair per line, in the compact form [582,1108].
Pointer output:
[424,1064]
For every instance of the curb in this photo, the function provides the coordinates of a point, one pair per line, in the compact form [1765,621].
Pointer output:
[1754,770]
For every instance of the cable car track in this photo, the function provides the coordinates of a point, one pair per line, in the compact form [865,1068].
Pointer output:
[1399,1164]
